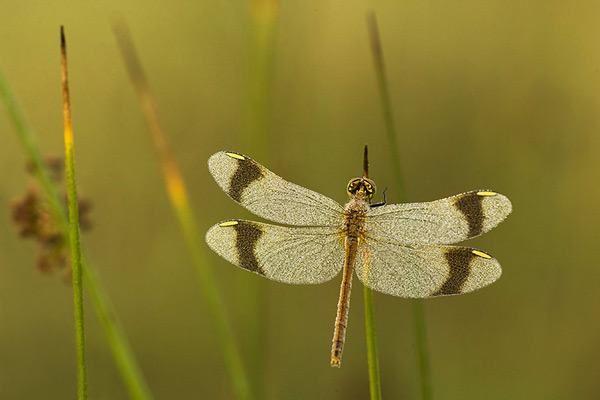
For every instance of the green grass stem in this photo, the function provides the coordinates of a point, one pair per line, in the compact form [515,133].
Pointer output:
[374,381]
[263,26]
[256,141]
[120,348]
[418,314]
[74,241]
[420,334]
[215,304]
[372,357]
[177,192]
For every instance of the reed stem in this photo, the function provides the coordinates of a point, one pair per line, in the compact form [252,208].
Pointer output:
[74,242]
[121,350]
[178,196]
[418,314]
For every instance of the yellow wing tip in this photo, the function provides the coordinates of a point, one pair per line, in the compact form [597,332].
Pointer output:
[228,223]
[486,193]
[481,254]
[235,155]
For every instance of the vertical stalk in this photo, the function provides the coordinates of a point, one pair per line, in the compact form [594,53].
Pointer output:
[418,315]
[374,381]
[121,350]
[256,140]
[420,333]
[263,25]
[178,196]
[372,357]
[73,225]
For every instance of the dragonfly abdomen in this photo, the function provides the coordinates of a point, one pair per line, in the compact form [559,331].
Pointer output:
[353,233]
[341,320]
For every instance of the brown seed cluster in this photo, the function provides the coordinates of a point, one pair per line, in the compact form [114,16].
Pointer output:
[34,217]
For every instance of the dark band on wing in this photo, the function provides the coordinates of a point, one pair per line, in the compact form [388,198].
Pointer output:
[459,260]
[470,205]
[247,172]
[247,234]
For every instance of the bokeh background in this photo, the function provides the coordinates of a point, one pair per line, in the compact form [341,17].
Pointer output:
[500,95]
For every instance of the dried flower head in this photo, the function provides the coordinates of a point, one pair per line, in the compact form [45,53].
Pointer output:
[35,218]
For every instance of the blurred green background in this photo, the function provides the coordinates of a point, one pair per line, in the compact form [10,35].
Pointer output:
[500,95]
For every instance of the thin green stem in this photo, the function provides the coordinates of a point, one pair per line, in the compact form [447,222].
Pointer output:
[215,304]
[263,26]
[121,350]
[120,347]
[179,199]
[29,144]
[374,384]
[373,359]
[418,315]
[255,140]
[386,105]
[75,244]
[420,334]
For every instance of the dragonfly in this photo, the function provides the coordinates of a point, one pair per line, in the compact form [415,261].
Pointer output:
[398,249]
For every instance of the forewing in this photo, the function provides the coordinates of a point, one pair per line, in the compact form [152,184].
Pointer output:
[302,255]
[444,221]
[415,271]
[270,196]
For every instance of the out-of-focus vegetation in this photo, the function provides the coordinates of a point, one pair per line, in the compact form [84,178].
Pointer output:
[484,94]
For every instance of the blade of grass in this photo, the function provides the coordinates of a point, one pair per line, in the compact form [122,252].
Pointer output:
[418,314]
[120,348]
[420,333]
[386,105]
[256,141]
[122,352]
[178,196]
[263,25]
[73,206]
[372,358]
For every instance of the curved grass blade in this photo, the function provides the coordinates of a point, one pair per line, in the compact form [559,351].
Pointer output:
[120,348]
[374,381]
[178,196]
[263,25]
[74,241]
[386,104]
[256,140]
[372,357]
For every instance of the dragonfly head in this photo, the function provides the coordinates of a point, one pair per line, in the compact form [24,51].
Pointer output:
[362,187]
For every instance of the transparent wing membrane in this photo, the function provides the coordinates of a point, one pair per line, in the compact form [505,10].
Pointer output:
[416,271]
[270,196]
[444,221]
[299,255]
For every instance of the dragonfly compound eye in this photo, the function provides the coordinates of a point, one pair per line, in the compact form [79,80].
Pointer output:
[361,185]
[353,186]
[369,187]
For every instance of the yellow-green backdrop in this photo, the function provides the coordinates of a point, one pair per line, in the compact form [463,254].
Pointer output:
[502,95]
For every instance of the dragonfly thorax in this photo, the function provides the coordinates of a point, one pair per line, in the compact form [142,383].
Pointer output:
[360,190]
[361,187]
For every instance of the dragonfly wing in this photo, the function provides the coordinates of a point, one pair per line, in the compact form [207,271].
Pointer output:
[270,196]
[416,271]
[444,221]
[301,255]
